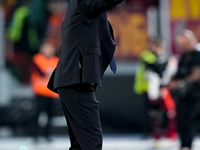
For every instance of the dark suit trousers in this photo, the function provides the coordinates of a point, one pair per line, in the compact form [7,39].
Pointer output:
[81,111]
[187,116]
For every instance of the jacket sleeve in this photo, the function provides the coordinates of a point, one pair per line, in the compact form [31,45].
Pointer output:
[94,7]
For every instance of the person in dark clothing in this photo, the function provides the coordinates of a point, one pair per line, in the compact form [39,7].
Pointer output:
[185,87]
[87,48]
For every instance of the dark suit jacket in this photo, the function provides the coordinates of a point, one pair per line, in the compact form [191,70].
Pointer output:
[87,43]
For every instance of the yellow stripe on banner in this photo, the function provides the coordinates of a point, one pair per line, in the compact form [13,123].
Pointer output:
[195,9]
[185,9]
[177,9]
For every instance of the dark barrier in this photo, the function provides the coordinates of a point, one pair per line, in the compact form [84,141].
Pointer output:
[121,109]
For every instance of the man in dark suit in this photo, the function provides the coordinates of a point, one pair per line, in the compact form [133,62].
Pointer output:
[87,48]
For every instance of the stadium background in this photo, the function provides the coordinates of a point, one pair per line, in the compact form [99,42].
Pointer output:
[121,109]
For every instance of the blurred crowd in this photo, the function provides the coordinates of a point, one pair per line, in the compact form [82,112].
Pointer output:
[29,24]
[171,88]
[32,47]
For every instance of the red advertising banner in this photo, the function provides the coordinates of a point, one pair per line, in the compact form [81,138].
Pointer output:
[130,29]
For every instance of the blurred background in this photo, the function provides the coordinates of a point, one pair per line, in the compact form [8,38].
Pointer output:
[26,24]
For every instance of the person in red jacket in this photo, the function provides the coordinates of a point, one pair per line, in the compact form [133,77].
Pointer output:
[41,68]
